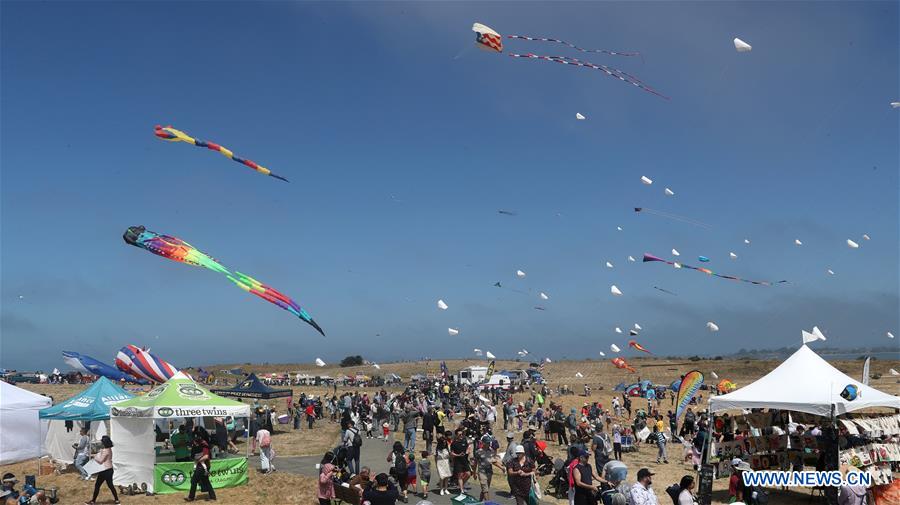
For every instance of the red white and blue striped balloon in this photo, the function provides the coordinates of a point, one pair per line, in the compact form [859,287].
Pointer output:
[140,363]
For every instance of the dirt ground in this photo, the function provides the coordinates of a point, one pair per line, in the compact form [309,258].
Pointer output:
[289,489]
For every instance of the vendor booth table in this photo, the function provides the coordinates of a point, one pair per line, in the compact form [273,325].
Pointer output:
[132,429]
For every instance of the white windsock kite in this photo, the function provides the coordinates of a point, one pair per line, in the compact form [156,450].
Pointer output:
[741,46]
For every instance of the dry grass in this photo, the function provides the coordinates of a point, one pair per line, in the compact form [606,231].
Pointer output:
[289,489]
[261,489]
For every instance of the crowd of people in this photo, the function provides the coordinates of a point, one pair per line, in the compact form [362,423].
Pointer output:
[458,425]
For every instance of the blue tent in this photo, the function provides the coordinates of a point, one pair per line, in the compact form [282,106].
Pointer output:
[252,387]
[91,405]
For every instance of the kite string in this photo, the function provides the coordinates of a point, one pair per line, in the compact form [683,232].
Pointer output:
[675,217]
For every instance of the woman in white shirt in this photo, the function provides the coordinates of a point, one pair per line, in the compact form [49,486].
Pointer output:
[686,497]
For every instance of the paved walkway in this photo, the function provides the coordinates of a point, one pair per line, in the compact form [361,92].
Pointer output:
[373,455]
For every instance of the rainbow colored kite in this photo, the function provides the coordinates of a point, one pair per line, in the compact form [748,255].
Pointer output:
[639,347]
[690,384]
[650,257]
[178,250]
[173,135]
[621,363]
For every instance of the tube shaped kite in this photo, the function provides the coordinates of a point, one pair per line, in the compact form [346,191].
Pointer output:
[638,346]
[87,364]
[173,135]
[178,250]
[621,363]
[650,257]
[689,386]
[140,363]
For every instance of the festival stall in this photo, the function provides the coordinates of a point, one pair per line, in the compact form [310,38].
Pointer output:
[807,391]
[133,425]
[254,388]
[21,431]
[92,404]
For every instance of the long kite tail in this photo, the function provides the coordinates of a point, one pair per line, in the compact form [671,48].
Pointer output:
[173,135]
[610,71]
[650,257]
[573,46]
[273,296]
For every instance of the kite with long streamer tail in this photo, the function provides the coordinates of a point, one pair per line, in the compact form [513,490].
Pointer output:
[674,217]
[664,290]
[489,39]
[621,363]
[178,250]
[650,257]
[690,384]
[173,135]
[639,347]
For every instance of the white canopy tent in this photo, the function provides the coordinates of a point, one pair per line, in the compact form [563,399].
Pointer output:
[804,383]
[21,431]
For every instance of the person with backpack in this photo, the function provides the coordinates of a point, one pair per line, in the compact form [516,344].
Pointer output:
[601,448]
[266,454]
[352,442]
[399,468]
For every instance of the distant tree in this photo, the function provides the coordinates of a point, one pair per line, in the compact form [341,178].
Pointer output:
[718,358]
[694,358]
[352,361]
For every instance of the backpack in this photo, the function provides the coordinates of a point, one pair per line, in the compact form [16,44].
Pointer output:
[673,491]
[357,440]
[400,466]
[266,440]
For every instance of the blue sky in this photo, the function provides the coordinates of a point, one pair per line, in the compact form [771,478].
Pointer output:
[401,141]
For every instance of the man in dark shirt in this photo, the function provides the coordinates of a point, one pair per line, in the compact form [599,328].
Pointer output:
[382,492]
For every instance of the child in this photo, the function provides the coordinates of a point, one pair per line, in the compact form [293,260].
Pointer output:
[411,474]
[368,423]
[425,473]
[386,430]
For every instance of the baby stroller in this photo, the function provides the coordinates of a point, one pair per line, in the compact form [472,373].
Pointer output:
[559,484]
[341,462]
[543,462]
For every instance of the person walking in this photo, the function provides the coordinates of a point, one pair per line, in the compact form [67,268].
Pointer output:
[83,453]
[352,442]
[202,462]
[310,415]
[442,463]
[266,454]
[617,443]
[104,459]
[661,446]
[521,474]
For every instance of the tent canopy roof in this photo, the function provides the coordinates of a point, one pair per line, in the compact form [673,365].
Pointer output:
[252,387]
[804,383]
[179,397]
[16,398]
[92,404]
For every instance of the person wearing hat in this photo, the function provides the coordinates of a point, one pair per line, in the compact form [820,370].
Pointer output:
[640,493]
[485,459]
[736,488]
[9,486]
[585,480]
[382,492]
[520,471]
